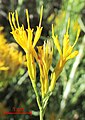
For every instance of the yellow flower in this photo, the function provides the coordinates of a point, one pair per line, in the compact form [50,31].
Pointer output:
[10,58]
[25,40]
[17,59]
[2,42]
[2,67]
[45,53]
[65,54]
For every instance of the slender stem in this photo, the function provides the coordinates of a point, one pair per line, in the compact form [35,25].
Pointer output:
[36,93]
[38,100]
[45,101]
[41,114]
[42,107]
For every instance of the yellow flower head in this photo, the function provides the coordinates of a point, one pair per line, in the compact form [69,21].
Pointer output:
[25,40]
[2,43]
[67,48]
[45,53]
[19,33]
[10,58]
[65,54]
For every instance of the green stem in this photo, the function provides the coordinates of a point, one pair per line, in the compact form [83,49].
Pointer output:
[38,100]
[41,114]
[36,93]
[45,101]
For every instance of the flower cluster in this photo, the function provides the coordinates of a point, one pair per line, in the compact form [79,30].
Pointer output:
[24,39]
[2,43]
[45,53]
[10,58]
[65,54]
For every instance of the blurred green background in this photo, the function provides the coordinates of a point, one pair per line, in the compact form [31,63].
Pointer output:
[68,99]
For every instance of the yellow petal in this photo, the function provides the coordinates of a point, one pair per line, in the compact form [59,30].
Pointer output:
[21,37]
[30,36]
[65,44]
[13,21]
[68,52]
[39,29]
[41,14]
[37,35]
[56,41]
[10,21]
[78,33]
[17,18]
[72,55]
[27,18]
[4,68]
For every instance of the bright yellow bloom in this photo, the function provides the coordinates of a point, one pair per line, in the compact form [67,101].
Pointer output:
[17,59]
[2,42]
[10,58]
[45,53]
[25,40]
[65,54]
[2,67]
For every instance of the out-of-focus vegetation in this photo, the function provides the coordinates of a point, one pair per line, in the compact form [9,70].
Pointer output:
[68,99]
